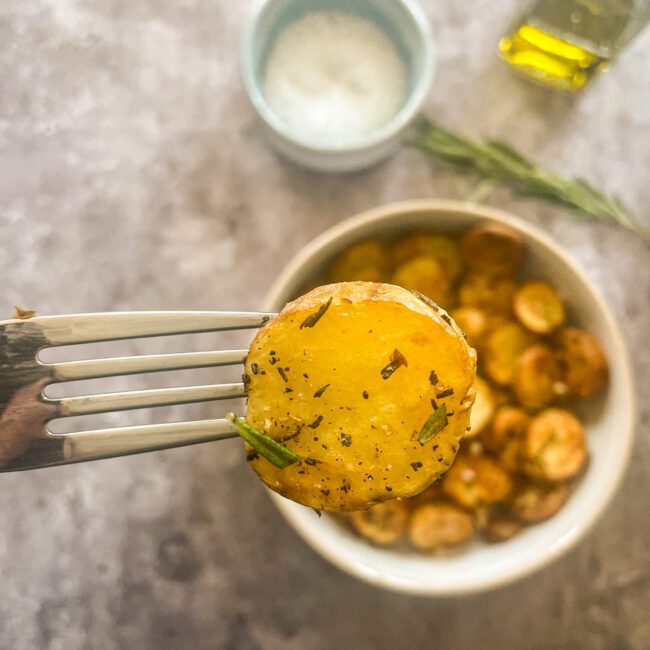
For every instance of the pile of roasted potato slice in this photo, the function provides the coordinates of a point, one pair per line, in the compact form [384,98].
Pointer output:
[526,447]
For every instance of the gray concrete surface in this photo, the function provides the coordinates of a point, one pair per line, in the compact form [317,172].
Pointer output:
[132,176]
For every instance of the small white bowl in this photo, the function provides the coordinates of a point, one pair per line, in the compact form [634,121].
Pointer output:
[609,420]
[405,24]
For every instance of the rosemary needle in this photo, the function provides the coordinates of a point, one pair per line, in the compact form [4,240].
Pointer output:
[265,446]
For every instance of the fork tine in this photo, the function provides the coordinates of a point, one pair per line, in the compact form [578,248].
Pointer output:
[94,368]
[61,449]
[90,328]
[120,441]
[137,399]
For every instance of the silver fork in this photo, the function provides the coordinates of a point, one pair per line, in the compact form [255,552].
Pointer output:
[26,442]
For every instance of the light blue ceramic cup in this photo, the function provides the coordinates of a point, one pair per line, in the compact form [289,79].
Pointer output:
[405,24]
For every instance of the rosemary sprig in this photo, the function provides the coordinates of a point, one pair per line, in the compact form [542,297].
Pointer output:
[265,446]
[498,162]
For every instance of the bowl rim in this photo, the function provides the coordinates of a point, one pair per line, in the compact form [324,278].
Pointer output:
[377,136]
[627,431]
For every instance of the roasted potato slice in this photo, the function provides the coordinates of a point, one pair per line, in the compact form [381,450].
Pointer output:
[510,456]
[538,378]
[426,275]
[538,307]
[486,292]
[503,349]
[345,377]
[509,422]
[474,322]
[432,493]
[583,362]
[502,528]
[439,524]
[474,447]
[501,395]
[555,448]
[425,244]
[474,481]
[367,261]
[534,503]
[492,249]
[482,409]
[506,436]
[382,524]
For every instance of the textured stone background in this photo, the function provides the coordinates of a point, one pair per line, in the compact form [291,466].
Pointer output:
[132,177]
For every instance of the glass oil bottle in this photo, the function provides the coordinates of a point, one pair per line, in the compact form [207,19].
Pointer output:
[564,43]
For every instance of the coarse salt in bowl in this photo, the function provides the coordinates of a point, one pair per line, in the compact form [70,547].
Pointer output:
[334,76]
[609,422]
[335,82]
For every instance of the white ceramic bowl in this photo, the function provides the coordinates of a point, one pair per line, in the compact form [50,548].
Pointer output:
[406,25]
[609,420]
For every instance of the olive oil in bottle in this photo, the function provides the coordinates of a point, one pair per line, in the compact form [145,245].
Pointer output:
[564,43]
